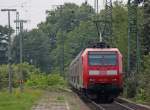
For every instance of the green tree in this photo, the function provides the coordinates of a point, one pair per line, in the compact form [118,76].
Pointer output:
[146,31]
[36,48]
[120,28]
[59,23]
[4,43]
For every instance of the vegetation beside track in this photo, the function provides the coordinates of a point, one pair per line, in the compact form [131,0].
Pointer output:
[33,77]
[42,47]
[19,101]
[27,71]
[35,83]
[49,82]
[143,89]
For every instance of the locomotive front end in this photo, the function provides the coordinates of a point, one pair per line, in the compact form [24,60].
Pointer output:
[104,72]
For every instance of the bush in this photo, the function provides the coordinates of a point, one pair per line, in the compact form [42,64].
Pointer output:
[3,76]
[130,88]
[37,80]
[46,81]
[55,80]
[143,93]
[138,87]
[33,77]
[27,70]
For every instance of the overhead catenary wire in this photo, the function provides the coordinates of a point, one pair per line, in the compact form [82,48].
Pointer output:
[21,6]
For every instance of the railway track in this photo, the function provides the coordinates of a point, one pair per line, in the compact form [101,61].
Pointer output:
[118,104]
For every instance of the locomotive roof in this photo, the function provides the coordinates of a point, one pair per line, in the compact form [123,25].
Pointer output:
[83,52]
[101,49]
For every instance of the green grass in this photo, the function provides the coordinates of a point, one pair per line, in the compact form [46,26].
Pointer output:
[60,98]
[19,101]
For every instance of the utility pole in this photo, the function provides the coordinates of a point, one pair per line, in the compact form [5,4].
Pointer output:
[62,47]
[21,22]
[63,74]
[9,48]
[96,6]
[17,23]
[86,1]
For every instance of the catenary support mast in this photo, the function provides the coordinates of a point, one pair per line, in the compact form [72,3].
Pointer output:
[21,22]
[133,35]
[104,25]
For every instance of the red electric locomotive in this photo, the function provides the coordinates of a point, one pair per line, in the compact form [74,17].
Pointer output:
[98,73]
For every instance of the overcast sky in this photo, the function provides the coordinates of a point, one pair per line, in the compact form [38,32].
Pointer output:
[34,10]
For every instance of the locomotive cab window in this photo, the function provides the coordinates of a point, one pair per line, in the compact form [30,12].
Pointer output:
[102,58]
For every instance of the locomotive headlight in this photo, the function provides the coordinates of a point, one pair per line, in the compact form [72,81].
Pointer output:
[93,72]
[111,72]
[91,79]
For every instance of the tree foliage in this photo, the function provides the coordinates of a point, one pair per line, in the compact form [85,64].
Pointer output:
[42,47]
[3,44]
[72,25]
[143,91]
[36,49]
[146,30]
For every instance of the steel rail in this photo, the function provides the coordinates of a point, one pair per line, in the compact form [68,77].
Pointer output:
[98,105]
[116,105]
[125,106]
